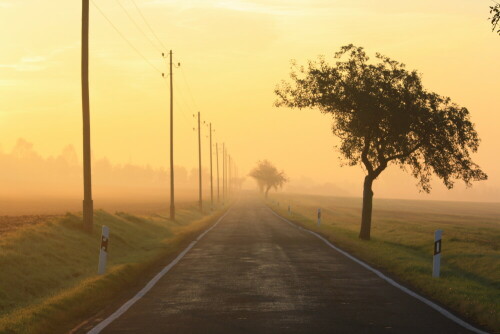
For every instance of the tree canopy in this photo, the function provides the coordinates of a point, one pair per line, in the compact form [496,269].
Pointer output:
[268,176]
[383,115]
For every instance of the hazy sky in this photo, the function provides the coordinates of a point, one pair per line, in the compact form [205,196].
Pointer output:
[232,54]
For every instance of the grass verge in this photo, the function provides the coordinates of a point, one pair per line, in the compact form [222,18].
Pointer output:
[48,282]
[402,246]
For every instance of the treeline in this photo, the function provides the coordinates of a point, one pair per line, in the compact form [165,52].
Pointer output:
[24,172]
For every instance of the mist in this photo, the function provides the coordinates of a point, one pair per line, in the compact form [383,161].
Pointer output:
[35,184]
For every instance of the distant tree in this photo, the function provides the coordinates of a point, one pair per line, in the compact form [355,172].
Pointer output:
[268,176]
[495,18]
[383,116]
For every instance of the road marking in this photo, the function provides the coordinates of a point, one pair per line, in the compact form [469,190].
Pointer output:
[389,280]
[103,324]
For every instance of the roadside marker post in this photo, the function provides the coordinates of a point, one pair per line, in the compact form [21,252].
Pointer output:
[289,209]
[103,251]
[319,216]
[436,263]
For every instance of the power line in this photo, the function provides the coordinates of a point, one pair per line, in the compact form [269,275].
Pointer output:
[188,108]
[138,27]
[189,105]
[147,24]
[185,118]
[123,36]
[188,88]
[185,100]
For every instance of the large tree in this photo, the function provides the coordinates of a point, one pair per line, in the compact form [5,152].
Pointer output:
[384,116]
[268,176]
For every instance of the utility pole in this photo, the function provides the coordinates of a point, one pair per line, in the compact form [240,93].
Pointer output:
[217,158]
[199,160]
[172,194]
[226,169]
[223,173]
[238,178]
[88,204]
[211,174]
[230,178]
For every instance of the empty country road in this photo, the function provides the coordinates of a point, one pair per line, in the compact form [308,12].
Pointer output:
[254,273]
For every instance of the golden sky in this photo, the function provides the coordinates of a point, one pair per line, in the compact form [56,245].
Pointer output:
[232,54]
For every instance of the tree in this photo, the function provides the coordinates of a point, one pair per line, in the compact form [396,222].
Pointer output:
[268,176]
[495,19]
[383,116]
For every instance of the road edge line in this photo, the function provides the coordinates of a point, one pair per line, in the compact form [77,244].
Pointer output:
[115,315]
[389,280]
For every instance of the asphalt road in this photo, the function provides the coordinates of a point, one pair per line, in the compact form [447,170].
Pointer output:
[254,273]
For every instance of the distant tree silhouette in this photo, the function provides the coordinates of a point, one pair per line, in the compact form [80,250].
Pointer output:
[268,176]
[495,18]
[383,115]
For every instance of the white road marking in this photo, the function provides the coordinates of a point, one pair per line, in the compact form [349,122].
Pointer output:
[99,327]
[389,280]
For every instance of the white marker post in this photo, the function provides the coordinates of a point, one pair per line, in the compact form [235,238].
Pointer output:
[436,263]
[319,217]
[103,252]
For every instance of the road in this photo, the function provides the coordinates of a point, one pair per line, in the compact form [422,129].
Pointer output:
[254,273]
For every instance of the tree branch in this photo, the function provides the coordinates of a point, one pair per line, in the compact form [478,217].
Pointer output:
[403,155]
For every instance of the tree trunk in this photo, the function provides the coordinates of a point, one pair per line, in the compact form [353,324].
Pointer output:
[267,190]
[366,216]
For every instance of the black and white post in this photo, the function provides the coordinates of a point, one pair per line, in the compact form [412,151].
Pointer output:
[319,216]
[103,252]
[436,263]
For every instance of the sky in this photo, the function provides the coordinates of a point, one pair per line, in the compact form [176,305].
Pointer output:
[232,54]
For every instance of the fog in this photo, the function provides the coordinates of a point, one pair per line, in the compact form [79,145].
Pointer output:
[32,183]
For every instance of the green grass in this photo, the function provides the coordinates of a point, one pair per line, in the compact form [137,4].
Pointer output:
[402,245]
[48,280]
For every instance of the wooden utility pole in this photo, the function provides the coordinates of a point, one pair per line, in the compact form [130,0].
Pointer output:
[199,160]
[172,194]
[88,204]
[223,173]
[211,174]
[217,158]
[226,174]
[230,183]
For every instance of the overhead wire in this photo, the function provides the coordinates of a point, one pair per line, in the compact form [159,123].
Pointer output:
[187,106]
[185,119]
[139,28]
[147,24]
[182,98]
[124,38]
[188,88]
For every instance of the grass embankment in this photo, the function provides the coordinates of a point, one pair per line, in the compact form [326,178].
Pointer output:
[48,280]
[402,246]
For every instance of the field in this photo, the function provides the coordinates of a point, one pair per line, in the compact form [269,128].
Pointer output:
[402,245]
[48,278]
